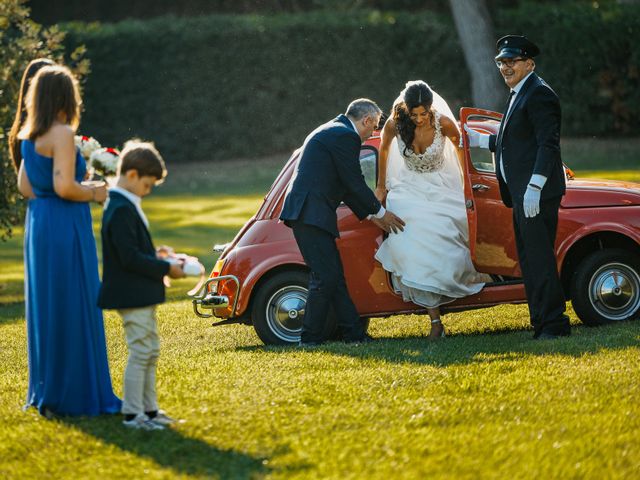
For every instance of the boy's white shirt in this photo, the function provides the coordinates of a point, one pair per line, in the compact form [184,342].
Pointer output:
[133,198]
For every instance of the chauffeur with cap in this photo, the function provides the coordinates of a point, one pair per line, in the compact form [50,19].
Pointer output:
[531,179]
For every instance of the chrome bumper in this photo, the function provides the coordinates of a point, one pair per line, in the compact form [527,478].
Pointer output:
[210,301]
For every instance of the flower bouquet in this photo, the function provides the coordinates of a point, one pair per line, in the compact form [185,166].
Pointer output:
[86,145]
[104,161]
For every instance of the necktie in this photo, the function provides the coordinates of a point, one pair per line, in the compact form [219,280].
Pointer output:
[511,94]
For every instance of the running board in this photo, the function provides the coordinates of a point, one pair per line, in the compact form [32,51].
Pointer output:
[516,281]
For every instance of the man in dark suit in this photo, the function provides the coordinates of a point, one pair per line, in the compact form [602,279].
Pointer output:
[531,179]
[328,172]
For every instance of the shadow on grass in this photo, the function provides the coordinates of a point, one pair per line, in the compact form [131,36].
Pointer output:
[172,450]
[481,347]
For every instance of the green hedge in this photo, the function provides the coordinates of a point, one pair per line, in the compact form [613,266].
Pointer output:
[591,57]
[219,87]
[242,86]
[56,11]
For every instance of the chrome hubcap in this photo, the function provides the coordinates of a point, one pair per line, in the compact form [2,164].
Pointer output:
[285,311]
[614,291]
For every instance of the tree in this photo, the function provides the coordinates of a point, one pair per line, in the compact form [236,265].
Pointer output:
[477,38]
[21,40]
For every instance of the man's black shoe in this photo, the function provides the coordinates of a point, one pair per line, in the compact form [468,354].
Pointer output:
[364,339]
[546,336]
[551,336]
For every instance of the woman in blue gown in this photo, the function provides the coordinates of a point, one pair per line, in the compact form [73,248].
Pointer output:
[68,367]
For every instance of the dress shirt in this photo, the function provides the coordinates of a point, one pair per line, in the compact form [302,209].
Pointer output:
[536,179]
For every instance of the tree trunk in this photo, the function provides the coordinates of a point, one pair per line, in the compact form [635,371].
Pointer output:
[477,38]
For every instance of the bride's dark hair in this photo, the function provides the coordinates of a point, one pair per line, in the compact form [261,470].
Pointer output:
[415,94]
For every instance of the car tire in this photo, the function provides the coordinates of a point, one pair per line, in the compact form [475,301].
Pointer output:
[605,287]
[278,309]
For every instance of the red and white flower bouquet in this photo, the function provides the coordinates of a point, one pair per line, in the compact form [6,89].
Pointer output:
[100,160]
[104,161]
[87,146]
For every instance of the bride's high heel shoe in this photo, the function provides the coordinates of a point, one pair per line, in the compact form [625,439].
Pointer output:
[437,321]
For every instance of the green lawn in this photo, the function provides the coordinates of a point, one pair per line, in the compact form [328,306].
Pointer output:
[487,402]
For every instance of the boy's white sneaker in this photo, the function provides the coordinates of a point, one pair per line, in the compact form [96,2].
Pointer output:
[142,422]
[163,419]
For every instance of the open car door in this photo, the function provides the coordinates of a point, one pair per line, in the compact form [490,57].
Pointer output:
[491,237]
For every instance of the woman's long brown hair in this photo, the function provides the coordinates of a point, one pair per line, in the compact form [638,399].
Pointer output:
[416,94]
[21,110]
[53,91]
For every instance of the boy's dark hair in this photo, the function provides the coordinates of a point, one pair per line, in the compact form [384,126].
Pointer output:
[143,157]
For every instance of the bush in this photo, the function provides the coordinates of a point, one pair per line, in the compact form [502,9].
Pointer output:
[21,41]
[590,56]
[218,87]
[51,12]
[242,86]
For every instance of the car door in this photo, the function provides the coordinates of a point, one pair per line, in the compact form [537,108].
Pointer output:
[491,235]
[367,281]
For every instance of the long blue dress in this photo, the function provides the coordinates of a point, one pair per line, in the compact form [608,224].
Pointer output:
[68,368]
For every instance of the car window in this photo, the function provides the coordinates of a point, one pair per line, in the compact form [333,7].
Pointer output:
[483,160]
[369,165]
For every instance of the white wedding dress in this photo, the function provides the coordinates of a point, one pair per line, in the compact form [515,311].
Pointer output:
[429,262]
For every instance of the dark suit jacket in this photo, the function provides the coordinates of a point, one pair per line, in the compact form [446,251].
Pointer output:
[328,173]
[529,142]
[131,274]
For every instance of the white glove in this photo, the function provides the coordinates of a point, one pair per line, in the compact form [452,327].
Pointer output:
[477,139]
[531,204]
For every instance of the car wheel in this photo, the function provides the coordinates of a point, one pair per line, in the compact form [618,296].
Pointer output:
[606,287]
[279,306]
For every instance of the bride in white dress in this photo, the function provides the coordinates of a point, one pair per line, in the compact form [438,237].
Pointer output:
[420,175]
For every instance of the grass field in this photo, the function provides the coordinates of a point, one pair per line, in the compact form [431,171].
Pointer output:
[487,402]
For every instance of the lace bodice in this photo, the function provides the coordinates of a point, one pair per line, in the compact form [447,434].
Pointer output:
[432,158]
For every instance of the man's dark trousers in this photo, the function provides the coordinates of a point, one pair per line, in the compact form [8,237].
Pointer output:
[538,265]
[327,286]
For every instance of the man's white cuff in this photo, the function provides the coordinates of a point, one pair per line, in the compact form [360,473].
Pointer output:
[378,215]
[484,141]
[538,180]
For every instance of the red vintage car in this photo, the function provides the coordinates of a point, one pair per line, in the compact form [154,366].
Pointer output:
[260,278]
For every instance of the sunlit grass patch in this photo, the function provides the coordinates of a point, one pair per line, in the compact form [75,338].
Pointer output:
[216,212]
[474,405]
[622,175]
